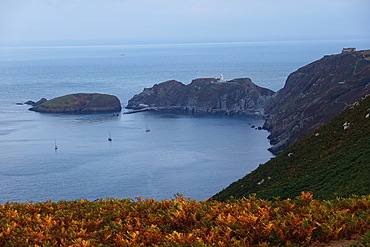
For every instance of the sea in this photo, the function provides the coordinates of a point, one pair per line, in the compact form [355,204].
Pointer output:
[195,155]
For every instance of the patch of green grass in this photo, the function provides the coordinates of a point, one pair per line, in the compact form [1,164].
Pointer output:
[62,101]
[363,242]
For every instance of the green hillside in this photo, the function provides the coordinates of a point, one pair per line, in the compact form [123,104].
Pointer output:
[333,161]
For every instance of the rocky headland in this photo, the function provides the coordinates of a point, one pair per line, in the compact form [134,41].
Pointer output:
[311,96]
[314,94]
[205,95]
[78,103]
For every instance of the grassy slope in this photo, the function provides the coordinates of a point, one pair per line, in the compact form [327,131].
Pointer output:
[62,101]
[330,162]
[72,99]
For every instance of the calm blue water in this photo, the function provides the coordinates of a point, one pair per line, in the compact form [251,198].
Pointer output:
[192,155]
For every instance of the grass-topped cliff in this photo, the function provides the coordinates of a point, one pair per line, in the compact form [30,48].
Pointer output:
[332,161]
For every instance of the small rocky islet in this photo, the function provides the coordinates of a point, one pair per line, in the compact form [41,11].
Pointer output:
[78,103]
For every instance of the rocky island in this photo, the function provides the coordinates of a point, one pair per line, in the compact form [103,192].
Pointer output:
[79,103]
[205,95]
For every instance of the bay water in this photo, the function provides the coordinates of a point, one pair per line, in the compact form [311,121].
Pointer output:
[194,155]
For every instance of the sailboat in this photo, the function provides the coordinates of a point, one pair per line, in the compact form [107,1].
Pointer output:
[55,145]
[110,137]
[146,128]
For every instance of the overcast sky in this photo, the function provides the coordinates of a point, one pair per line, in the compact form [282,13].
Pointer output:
[183,20]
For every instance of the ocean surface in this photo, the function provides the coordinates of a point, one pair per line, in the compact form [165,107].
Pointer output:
[193,155]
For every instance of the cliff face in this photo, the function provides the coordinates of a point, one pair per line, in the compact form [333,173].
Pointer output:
[80,103]
[238,96]
[314,94]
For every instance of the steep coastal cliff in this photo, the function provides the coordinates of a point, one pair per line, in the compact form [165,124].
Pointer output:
[314,94]
[80,103]
[210,95]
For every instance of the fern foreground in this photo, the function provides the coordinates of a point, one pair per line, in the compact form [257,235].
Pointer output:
[332,161]
[302,221]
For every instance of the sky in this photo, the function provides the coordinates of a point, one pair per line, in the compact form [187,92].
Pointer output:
[182,20]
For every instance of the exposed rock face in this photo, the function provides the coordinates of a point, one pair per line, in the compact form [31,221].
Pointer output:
[30,102]
[80,103]
[314,94]
[238,96]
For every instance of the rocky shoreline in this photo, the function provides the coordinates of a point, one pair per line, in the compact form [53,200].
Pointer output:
[311,96]
[314,94]
[205,95]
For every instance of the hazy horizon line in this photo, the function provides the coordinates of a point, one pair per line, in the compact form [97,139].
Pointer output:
[118,42]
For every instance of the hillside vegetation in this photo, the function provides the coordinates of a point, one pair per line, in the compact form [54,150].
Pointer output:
[332,161]
[302,221]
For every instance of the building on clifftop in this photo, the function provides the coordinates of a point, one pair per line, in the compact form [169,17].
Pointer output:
[222,79]
[348,50]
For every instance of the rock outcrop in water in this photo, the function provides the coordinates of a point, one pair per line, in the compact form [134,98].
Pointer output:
[33,103]
[80,103]
[207,95]
[314,94]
